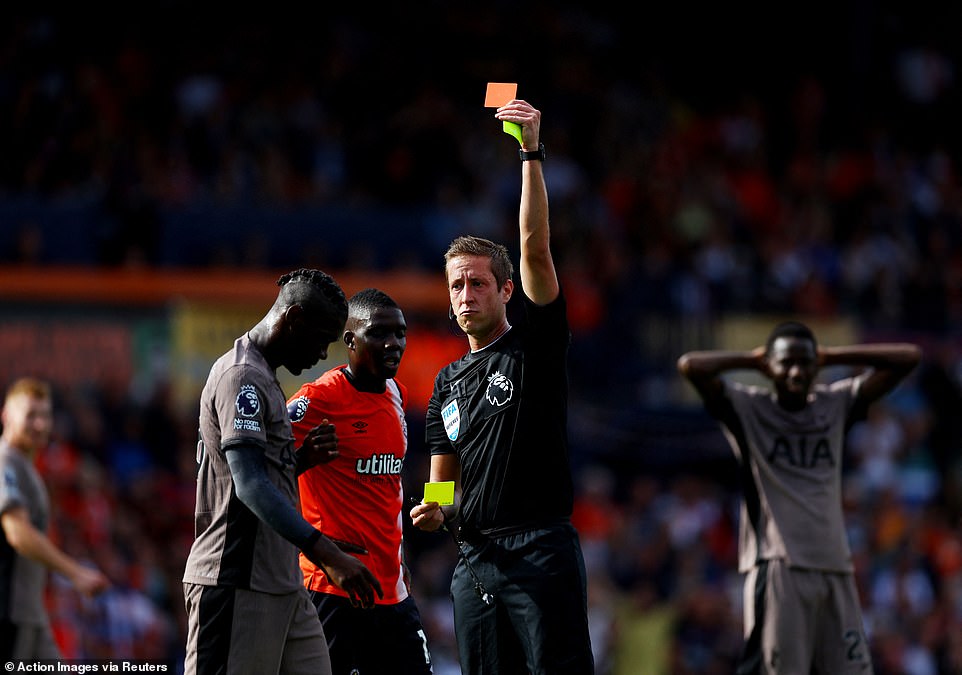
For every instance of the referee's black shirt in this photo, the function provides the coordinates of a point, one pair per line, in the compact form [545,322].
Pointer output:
[503,410]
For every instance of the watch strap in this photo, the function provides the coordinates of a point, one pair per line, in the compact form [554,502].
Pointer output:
[534,154]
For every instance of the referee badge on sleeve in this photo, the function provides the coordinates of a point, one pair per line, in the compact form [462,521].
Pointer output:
[451,416]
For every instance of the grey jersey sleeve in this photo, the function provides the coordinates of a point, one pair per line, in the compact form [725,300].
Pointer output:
[260,495]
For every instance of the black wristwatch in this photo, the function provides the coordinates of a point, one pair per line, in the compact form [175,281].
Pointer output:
[534,154]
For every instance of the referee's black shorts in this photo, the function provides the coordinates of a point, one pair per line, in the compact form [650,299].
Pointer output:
[538,620]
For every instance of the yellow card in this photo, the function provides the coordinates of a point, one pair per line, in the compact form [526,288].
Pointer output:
[512,129]
[441,492]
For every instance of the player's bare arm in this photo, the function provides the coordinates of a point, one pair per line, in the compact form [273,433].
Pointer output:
[890,363]
[31,543]
[705,368]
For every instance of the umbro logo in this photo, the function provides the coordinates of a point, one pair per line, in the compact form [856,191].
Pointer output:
[360,427]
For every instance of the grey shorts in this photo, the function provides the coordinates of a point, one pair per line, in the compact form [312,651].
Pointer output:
[232,631]
[802,621]
[27,642]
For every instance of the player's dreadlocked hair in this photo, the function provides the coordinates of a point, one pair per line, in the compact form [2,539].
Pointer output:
[306,287]
[501,265]
[794,329]
[369,301]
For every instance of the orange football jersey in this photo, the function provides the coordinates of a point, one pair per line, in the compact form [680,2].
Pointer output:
[356,497]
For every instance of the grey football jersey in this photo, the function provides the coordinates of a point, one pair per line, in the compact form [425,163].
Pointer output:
[22,580]
[792,506]
[242,403]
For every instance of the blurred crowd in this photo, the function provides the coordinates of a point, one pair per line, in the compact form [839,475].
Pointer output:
[660,546]
[686,185]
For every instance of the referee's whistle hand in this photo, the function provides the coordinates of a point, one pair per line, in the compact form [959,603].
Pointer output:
[427,516]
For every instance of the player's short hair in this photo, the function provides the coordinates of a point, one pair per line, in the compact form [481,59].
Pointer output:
[792,329]
[368,301]
[30,387]
[315,290]
[501,265]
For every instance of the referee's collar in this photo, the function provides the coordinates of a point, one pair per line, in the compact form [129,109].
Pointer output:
[493,342]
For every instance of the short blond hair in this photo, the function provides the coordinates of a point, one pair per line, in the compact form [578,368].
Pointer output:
[501,265]
[31,387]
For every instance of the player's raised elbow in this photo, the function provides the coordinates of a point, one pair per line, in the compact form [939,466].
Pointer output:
[914,354]
[903,356]
[910,355]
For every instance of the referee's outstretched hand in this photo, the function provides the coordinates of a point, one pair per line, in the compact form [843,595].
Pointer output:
[346,572]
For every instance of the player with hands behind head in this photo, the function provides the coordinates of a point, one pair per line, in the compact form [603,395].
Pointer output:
[801,605]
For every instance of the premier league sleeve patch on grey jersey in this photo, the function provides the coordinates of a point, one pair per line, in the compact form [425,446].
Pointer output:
[248,405]
[451,416]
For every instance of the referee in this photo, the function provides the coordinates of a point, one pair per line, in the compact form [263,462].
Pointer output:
[497,426]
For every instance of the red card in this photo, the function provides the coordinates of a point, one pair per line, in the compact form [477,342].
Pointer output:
[499,93]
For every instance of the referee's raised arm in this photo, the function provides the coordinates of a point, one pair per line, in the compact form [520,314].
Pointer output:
[539,280]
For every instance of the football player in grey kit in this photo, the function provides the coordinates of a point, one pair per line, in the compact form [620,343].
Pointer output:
[801,612]
[248,612]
